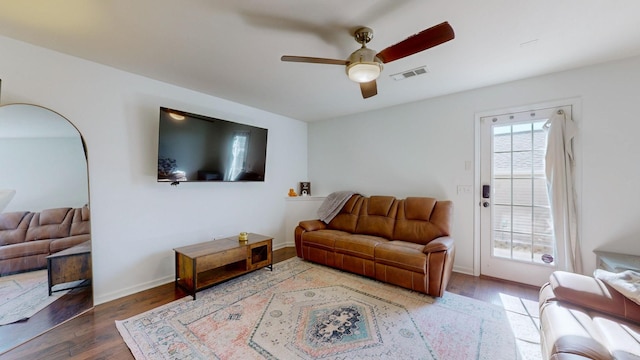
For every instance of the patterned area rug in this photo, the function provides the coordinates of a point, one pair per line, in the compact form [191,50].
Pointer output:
[307,311]
[23,295]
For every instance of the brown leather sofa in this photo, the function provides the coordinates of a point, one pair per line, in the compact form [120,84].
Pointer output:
[403,242]
[27,238]
[582,317]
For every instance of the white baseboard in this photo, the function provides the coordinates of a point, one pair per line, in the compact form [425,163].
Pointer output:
[151,284]
[282,246]
[167,279]
[132,290]
[463,270]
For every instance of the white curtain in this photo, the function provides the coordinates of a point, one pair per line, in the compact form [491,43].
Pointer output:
[559,169]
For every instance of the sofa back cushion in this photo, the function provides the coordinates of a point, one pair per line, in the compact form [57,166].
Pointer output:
[377,216]
[81,222]
[422,219]
[50,224]
[347,218]
[13,227]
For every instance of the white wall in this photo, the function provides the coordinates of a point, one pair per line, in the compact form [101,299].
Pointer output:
[52,173]
[420,149]
[136,222]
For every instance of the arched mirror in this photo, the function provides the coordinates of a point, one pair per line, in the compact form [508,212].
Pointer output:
[45,240]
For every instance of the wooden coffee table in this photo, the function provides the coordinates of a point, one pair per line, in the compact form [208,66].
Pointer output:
[69,265]
[205,264]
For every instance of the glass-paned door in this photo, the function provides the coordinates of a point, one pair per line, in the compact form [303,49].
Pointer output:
[517,241]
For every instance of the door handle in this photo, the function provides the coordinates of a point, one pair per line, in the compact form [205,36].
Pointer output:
[485,204]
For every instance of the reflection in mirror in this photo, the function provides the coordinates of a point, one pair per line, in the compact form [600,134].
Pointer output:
[45,241]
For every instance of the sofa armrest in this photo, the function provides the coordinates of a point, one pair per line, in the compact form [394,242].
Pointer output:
[443,243]
[312,225]
[592,293]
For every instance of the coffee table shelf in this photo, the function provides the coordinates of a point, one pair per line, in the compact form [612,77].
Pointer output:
[203,265]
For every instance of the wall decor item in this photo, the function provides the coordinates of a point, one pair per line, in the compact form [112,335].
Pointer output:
[305,188]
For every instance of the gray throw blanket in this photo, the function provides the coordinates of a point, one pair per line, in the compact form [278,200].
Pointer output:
[332,204]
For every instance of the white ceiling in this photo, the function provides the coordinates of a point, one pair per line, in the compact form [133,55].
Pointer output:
[231,49]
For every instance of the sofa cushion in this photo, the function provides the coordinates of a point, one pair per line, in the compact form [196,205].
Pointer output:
[53,216]
[403,255]
[362,246]
[347,218]
[622,339]
[85,213]
[322,239]
[377,216]
[50,224]
[592,293]
[422,219]
[578,320]
[13,227]
[570,329]
[80,223]
[24,249]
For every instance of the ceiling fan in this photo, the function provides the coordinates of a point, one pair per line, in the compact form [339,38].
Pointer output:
[364,65]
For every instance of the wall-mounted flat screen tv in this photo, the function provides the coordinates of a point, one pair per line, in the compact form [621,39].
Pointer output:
[199,148]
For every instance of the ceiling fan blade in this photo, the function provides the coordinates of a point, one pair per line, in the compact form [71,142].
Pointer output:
[421,41]
[313,60]
[368,89]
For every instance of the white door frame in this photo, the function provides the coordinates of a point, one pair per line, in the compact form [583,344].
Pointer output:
[576,104]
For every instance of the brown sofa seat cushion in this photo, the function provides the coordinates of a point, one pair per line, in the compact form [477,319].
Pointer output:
[422,219]
[24,249]
[377,216]
[403,255]
[322,239]
[361,246]
[13,227]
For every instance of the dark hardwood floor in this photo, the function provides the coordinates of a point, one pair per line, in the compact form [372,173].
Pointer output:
[93,335]
[66,307]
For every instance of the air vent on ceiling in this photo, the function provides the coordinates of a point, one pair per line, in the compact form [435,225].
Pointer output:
[410,73]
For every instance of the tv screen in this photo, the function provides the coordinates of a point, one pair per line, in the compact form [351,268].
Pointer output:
[199,148]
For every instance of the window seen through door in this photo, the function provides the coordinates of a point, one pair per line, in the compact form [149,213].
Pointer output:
[522,228]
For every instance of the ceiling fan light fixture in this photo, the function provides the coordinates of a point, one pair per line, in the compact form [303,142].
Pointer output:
[364,71]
